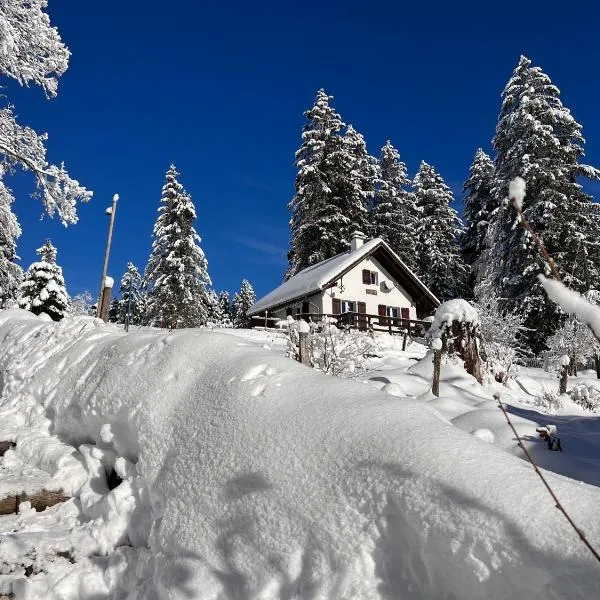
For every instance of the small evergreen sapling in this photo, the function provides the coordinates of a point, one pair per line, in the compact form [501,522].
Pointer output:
[43,288]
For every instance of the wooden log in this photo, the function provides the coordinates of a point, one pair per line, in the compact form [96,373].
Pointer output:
[404,340]
[39,501]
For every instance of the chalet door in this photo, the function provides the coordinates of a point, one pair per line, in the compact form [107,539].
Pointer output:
[362,318]
[382,312]
[405,312]
[305,308]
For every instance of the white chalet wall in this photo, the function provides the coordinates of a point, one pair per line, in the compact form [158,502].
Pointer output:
[355,289]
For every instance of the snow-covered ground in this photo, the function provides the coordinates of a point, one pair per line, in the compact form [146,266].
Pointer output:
[245,475]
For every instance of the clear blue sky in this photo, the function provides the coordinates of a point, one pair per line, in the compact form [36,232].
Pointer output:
[219,89]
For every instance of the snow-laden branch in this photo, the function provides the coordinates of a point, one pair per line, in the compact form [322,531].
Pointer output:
[23,146]
[30,48]
[573,303]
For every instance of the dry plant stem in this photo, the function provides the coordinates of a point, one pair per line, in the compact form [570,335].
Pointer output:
[544,252]
[538,241]
[550,491]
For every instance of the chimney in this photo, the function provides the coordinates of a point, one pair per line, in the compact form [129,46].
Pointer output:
[357,239]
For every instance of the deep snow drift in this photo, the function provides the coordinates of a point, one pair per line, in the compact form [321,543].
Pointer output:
[246,475]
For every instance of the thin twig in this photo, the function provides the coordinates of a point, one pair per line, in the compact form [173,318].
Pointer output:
[550,490]
[540,244]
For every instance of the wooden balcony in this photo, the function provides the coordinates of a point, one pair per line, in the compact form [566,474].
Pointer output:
[363,322]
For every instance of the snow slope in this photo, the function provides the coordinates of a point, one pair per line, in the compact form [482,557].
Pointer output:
[248,476]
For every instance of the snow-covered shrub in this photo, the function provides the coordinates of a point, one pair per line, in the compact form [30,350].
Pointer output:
[499,338]
[587,396]
[81,304]
[573,339]
[549,400]
[334,351]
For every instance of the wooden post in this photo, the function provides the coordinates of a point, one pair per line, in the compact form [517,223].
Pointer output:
[304,355]
[597,359]
[112,213]
[564,375]
[437,365]
[266,318]
[404,340]
[105,303]
[390,325]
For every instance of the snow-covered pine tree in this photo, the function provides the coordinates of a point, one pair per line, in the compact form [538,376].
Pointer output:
[441,265]
[177,270]
[11,273]
[215,316]
[225,308]
[132,296]
[32,52]
[477,208]
[43,288]
[393,215]
[242,302]
[538,139]
[312,205]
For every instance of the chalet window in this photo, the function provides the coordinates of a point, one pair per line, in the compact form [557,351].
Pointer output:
[393,311]
[369,277]
[348,306]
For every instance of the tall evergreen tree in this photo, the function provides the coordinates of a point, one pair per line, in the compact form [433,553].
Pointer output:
[441,266]
[43,288]
[478,207]
[313,210]
[538,139]
[242,302]
[394,212]
[225,308]
[132,299]
[11,273]
[177,270]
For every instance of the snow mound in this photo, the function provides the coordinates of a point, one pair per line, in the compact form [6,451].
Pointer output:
[316,487]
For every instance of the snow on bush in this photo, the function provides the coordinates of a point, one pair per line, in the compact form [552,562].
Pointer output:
[334,351]
[549,400]
[587,396]
[246,475]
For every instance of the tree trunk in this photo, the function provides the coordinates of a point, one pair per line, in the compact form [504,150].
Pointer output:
[564,377]
[303,354]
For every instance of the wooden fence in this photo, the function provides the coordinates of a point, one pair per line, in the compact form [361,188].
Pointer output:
[362,322]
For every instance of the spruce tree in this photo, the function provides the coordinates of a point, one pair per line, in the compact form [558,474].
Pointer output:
[132,296]
[538,139]
[11,273]
[393,215]
[215,316]
[43,288]
[478,206]
[441,266]
[225,308]
[242,302]
[177,270]
[313,208]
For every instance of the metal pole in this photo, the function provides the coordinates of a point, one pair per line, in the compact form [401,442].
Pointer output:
[128,317]
[113,211]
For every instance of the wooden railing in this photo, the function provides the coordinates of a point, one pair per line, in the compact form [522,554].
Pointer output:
[367,322]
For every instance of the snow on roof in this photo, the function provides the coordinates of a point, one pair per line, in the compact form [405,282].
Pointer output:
[316,277]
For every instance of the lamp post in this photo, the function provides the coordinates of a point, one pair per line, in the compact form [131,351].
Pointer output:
[111,211]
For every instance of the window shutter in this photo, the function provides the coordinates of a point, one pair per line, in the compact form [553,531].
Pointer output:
[405,313]
[362,307]
[382,310]
[366,276]
[336,306]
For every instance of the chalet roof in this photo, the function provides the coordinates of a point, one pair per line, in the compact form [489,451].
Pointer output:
[324,274]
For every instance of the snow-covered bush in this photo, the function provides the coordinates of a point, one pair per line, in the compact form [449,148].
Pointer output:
[81,304]
[587,396]
[574,339]
[499,332]
[549,400]
[334,351]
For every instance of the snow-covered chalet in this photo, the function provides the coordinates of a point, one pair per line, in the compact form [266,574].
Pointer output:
[368,287]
